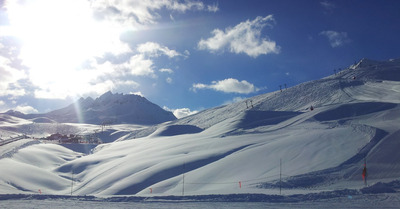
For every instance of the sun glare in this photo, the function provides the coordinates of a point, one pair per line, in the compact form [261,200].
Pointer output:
[57,37]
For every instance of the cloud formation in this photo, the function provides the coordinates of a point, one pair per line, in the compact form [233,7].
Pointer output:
[243,38]
[328,6]
[138,12]
[153,49]
[181,112]
[9,77]
[336,39]
[229,85]
[166,70]
[26,109]
[91,55]
[100,75]
[138,65]
[141,64]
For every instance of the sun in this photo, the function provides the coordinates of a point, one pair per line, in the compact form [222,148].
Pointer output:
[57,37]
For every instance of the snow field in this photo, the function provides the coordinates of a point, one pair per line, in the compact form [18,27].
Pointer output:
[209,164]
[30,169]
[232,149]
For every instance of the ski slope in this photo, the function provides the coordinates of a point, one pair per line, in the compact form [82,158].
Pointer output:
[232,149]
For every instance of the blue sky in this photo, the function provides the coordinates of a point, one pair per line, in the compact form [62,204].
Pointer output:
[185,56]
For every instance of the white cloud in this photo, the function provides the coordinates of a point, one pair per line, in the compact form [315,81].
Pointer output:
[137,93]
[243,38]
[26,109]
[136,65]
[166,70]
[140,66]
[336,39]
[61,84]
[186,53]
[95,78]
[213,8]
[155,50]
[130,83]
[47,94]
[181,112]
[182,7]
[9,77]
[138,12]
[327,5]
[17,92]
[229,85]
[168,80]
[3,107]
[57,92]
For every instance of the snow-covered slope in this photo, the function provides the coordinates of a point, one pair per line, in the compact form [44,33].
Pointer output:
[241,147]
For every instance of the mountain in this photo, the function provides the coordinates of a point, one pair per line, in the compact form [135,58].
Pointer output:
[109,108]
[271,143]
[113,108]
[366,81]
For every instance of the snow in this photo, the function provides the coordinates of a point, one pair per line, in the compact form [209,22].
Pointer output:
[232,149]
[232,201]
[108,109]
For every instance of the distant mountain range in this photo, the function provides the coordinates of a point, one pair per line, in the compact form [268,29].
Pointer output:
[109,108]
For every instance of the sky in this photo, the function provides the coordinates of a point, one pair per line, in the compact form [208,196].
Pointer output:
[185,56]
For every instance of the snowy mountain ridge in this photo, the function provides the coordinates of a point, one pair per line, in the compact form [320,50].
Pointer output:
[109,108]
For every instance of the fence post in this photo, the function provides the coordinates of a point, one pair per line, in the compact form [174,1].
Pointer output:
[280,176]
[183,179]
[72,180]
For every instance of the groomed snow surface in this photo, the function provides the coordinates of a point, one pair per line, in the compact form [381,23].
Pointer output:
[388,200]
[273,145]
